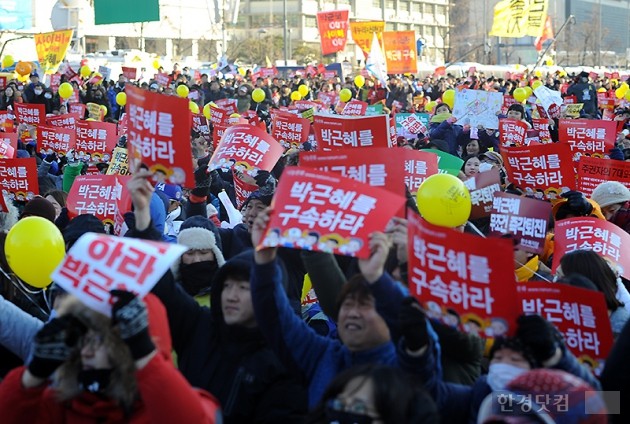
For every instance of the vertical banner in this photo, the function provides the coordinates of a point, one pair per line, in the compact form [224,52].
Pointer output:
[159,135]
[400,52]
[471,275]
[333,30]
[594,171]
[51,49]
[362,34]
[519,18]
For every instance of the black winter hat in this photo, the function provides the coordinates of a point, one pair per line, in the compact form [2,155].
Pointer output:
[80,225]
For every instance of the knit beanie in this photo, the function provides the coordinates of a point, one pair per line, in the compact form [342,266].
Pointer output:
[41,207]
[198,232]
[82,224]
[610,193]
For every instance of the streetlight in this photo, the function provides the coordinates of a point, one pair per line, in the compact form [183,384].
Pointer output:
[261,31]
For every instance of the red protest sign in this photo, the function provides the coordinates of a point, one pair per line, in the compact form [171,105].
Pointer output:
[100,195]
[69,120]
[162,79]
[290,130]
[95,140]
[242,190]
[200,125]
[30,113]
[246,147]
[512,132]
[6,121]
[3,83]
[77,109]
[122,125]
[97,264]
[19,177]
[522,217]
[159,135]
[229,105]
[411,124]
[129,73]
[315,210]
[594,234]
[333,30]
[328,98]
[8,144]
[217,134]
[303,105]
[54,139]
[542,126]
[469,274]
[336,132]
[594,137]
[418,167]
[482,187]
[355,108]
[55,82]
[594,171]
[579,314]
[543,168]
[400,51]
[507,102]
[219,116]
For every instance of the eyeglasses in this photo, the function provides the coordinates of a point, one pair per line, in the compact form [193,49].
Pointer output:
[92,341]
[356,407]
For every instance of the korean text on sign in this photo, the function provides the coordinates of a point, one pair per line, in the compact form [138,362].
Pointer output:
[247,146]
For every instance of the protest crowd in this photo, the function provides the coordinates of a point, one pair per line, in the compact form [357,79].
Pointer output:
[256,246]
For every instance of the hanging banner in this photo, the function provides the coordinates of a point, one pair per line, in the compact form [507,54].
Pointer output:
[477,107]
[519,18]
[320,211]
[471,275]
[362,34]
[482,187]
[51,49]
[579,314]
[95,140]
[400,52]
[159,135]
[333,30]
[594,171]
[30,113]
[591,137]
[53,139]
[18,177]
[338,132]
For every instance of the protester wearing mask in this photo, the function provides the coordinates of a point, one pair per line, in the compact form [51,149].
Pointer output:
[8,97]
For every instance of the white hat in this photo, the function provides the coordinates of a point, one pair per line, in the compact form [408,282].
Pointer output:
[610,193]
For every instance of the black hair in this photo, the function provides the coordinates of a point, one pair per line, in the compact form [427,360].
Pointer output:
[467,158]
[518,108]
[439,105]
[516,345]
[356,287]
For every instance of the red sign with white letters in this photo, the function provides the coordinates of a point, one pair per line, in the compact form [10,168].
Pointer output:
[100,195]
[594,171]
[579,314]
[585,233]
[229,105]
[200,125]
[355,108]
[338,132]
[469,274]
[289,129]
[512,132]
[98,263]
[8,145]
[333,30]
[482,187]
[158,135]
[242,190]
[30,113]
[19,177]
[542,126]
[247,148]
[69,120]
[321,211]
[594,137]
[54,139]
[77,108]
[95,141]
[219,116]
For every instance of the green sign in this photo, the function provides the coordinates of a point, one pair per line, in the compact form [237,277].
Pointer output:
[447,163]
[373,110]
[125,11]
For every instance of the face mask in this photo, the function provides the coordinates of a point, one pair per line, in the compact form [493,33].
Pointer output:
[38,92]
[343,417]
[499,375]
[94,381]
[48,96]
[197,276]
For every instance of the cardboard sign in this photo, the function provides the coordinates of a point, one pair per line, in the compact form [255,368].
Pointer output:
[119,165]
[333,30]
[159,135]
[97,264]
[129,73]
[338,132]
[290,130]
[477,107]
[51,48]
[594,137]
[69,120]
[579,314]
[8,144]
[247,148]
[469,274]
[594,234]
[525,218]
[100,195]
[315,210]
[400,52]
[95,140]
[409,125]
[77,109]
[30,113]
[542,126]
[55,139]
[419,165]
[482,187]
[19,178]
[242,190]
[512,132]
[594,171]
[546,169]
[355,108]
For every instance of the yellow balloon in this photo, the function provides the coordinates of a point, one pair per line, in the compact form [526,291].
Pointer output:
[303,90]
[345,95]
[624,87]
[66,90]
[601,90]
[449,98]
[619,93]
[430,106]
[295,96]
[627,96]
[520,95]
[85,71]
[104,109]
[34,238]
[194,107]
[528,91]
[182,90]
[536,84]
[359,81]
[258,95]
[7,61]
[121,98]
[156,64]
[563,74]
[24,68]
[549,62]
[538,73]
[444,200]
[207,112]
[235,115]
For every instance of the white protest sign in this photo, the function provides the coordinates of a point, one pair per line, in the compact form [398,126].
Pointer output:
[105,71]
[548,97]
[477,107]
[99,263]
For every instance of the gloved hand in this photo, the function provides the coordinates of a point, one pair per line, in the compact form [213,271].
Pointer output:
[52,157]
[539,335]
[413,324]
[577,203]
[54,344]
[130,315]
[202,182]
[262,177]
[616,154]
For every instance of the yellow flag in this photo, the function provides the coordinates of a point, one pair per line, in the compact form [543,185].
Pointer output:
[51,48]
[519,18]
[362,34]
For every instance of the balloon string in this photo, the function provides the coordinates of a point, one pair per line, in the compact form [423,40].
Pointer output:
[26,292]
